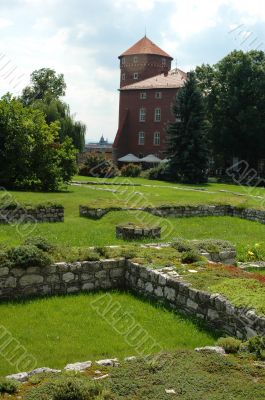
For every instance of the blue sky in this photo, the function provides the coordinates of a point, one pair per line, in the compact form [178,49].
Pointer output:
[82,39]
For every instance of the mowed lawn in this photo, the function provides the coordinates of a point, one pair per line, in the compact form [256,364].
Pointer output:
[59,330]
[81,232]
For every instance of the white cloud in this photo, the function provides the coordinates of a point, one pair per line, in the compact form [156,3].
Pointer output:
[5,23]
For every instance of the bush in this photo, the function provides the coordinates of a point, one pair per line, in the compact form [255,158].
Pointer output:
[256,345]
[132,170]
[182,245]
[229,344]
[190,257]
[27,256]
[68,388]
[159,172]
[212,245]
[99,167]
[8,386]
[40,242]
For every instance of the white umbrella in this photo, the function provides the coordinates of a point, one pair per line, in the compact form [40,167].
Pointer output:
[151,159]
[129,158]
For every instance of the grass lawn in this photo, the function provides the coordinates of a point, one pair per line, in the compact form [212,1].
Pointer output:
[61,330]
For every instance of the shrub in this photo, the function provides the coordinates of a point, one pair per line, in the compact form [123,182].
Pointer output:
[212,245]
[99,167]
[28,255]
[159,172]
[229,344]
[40,242]
[182,245]
[190,257]
[8,386]
[68,388]
[256,345]
[131,170]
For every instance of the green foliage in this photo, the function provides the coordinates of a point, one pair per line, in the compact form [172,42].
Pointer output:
[132,170]
[40,242]
[188,137]
[160,172]
[30,153]
[256,345]
[234,89]
[99,167]
[191,256]
[9,386]
[28,256]
[182,245]
[212,245]
[229,344]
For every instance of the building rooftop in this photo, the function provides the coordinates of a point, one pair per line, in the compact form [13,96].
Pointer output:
[145,46]
[174,79]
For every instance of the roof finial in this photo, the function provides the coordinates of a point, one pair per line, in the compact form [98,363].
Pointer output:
[145,31]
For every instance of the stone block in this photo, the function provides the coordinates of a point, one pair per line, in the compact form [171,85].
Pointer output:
[68,277]
[27,280]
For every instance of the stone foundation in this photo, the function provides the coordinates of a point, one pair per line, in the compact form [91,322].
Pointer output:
[31,214]
[182,211]
[130,231]
[163,285]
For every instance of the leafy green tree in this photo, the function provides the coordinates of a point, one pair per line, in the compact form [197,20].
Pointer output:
[188,142]
[31,155]
[235,93]
[45,93]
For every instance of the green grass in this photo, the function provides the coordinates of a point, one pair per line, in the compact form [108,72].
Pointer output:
[61,330]
[82,232]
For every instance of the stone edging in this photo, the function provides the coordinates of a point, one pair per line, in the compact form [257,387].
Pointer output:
[130,231]
[163,285]
[181,211]
[51,213]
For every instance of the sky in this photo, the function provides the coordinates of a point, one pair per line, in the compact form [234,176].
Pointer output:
[83,38]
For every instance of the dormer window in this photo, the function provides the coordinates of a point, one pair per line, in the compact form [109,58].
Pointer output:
[135,76]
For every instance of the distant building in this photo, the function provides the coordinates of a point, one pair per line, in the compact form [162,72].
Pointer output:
[148,88]
[103,147]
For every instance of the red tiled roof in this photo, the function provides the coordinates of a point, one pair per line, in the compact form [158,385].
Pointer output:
[175,79]
[145,46]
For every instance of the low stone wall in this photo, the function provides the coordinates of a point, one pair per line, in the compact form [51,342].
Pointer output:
[31,215]
[166,286]
[61,278]
[163,285]
[131,231]
[182,211]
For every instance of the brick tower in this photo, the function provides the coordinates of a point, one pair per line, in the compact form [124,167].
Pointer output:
[148,88]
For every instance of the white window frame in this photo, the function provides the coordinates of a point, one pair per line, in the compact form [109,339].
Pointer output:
[123,76]
[158,95]
[141,138]
[157,117]
[142,114]
[143,95]
[157,139]
[135,76]
[135,59]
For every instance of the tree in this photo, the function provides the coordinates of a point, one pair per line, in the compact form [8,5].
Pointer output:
[188,142]
[44,94]
[235,93]
[44,84]
[31,155]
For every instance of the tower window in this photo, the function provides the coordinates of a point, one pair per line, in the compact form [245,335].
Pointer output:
[164,62]
[157,115]
[135,75]
[157,138]
[142,114]
[123,60]
[135,59]
[141,138]
[143,95]
[158,95]
[123,77]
